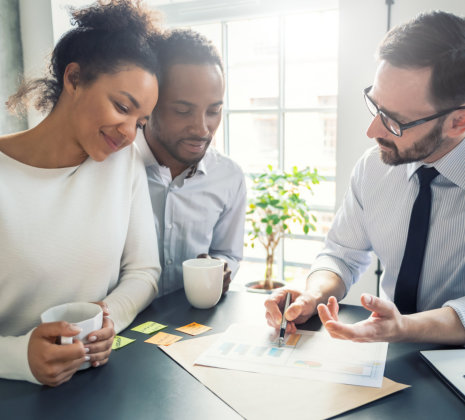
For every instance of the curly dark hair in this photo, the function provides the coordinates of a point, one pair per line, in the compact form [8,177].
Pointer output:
[437,40]
[107,36]
[185,46]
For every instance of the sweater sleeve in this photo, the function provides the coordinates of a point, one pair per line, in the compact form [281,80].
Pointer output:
[140,266]
[13,358]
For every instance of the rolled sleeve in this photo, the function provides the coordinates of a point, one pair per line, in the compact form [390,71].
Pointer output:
[458,305]
[347,245]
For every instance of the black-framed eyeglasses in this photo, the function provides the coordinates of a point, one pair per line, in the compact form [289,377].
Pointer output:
[394,126]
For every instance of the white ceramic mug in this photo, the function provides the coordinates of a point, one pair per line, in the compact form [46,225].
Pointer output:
[203,281]
[85,315]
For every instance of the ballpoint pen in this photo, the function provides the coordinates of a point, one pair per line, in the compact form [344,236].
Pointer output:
[284,320]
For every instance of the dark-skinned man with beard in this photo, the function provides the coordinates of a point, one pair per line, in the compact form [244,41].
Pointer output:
[198,195]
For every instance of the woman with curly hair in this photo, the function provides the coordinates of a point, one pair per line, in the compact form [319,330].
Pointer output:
[75,215]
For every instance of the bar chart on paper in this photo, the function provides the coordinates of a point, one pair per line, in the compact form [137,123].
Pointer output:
[306,354]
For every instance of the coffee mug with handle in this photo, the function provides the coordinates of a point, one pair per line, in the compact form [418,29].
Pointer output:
[203,281]
[85,315]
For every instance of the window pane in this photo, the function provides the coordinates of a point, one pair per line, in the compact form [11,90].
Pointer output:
[249,271]
[253,63]
[310,139]
[301,251]
[254,140]
[324,195]
[311,42]
[218,139]
[296,276]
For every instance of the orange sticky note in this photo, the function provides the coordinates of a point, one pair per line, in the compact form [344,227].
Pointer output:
[293,339]
[163,339]
[193,328]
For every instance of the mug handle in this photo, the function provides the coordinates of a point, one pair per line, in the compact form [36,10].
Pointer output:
[66,340]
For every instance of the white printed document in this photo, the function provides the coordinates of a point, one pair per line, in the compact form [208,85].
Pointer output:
[306,354]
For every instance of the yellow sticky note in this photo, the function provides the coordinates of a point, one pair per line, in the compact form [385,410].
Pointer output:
[193,328]
[293,339]
[163,339]
[148,327]
[120,341]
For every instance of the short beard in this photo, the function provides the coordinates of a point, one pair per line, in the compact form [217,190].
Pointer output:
[420,150]
[170,147]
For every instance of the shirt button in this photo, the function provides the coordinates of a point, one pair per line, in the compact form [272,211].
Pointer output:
[169,226]
[169,261]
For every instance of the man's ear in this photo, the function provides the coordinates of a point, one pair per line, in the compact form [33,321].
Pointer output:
[456,126]
[71,77]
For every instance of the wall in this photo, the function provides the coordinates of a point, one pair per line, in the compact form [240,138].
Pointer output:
[11,63]
[37,38]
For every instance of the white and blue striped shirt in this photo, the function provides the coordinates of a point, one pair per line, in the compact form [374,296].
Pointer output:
[375,216]
[203,213]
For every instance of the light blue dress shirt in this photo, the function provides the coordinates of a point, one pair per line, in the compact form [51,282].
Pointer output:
[201,214]
[375,216]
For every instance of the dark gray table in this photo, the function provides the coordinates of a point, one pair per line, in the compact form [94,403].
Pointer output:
[141,382]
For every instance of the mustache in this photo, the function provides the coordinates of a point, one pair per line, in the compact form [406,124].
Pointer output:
[197,139]
[385,143]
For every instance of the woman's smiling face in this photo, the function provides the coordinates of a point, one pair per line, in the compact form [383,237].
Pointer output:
[108,111]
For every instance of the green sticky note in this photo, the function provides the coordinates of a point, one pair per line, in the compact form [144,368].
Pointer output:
[148,327]
[120,341]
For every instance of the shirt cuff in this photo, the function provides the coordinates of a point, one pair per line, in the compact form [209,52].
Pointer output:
[458,305]
[336,266]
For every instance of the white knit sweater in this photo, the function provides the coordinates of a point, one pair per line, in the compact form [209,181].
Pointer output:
[72,234]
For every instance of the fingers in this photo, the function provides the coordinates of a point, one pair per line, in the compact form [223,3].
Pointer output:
[333,307]
[53,364]
[104,306]
[273,304]
[339,330]
[100,342]
[226,281]
[379,307]
[52,330]
[203,256]
[301,308]
[298,311]
[324,313]
[290,328]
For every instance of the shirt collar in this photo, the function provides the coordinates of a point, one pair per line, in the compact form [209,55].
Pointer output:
[149,159]
[144,149]
[450,165]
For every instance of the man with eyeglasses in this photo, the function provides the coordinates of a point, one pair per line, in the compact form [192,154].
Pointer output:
[406,200]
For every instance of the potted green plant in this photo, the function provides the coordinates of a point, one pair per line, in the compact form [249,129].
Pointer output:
[276,204]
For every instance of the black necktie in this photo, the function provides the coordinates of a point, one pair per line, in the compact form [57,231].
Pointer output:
[405,296]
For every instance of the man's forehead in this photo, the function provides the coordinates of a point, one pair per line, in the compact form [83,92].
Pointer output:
[190,82]
[402,90]
[189,70]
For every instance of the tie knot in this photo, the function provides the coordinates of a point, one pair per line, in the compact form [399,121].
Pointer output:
[426,175]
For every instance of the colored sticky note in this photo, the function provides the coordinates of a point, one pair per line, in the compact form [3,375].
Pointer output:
[163,339]
[193,328]
[148,327]
[293,339]
[120,341]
